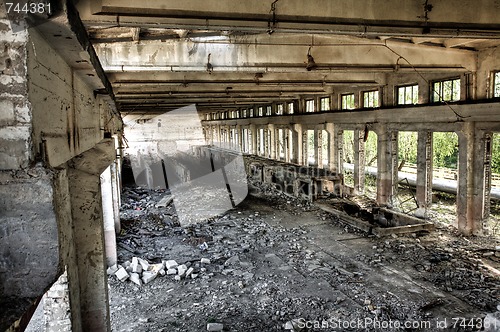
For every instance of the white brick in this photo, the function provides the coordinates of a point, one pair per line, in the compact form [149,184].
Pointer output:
[121,274]
[112,269]
[205,261]
[144,263]
[189,272]
[171,272]
[135,278]
[135,265]
[148,276]
[181,269]
[171,264]
[215,327]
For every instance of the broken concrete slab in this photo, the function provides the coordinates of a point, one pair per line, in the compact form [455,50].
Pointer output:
[165,201]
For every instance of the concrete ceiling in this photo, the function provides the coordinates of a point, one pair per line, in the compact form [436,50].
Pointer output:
[161,55]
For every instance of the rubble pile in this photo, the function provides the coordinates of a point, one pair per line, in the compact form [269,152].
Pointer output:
[274,262]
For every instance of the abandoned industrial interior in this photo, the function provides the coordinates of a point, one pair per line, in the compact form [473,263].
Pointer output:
[281,165]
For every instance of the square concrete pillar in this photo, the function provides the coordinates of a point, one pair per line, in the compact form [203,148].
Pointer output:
[424,169]
[386,153]
[359,162]
[318,147]
[272,141]
[298,149]
[474,183]
[108,217]
[91,292]
[253,134]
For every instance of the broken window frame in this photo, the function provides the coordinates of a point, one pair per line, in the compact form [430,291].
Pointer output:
[402,93]
[279,109]
[371,99]
[496,84]
[290,108]
[324,104]
[269,110]
[453,84]
[310,106]
[347,101]
[260,111]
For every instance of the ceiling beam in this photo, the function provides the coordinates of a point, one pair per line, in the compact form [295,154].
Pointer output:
[344,16]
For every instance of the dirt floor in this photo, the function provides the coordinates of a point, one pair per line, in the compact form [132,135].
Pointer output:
[277,264]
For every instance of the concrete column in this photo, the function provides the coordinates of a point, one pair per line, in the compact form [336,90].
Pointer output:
[472,173]
[286,144]
[330,129]
[272,138]
[219,134]
[297,144]
[239,131]
[424,169]
[108,217]
[339,146]
[253,131]
[115,186]
[359,162]
[318,147]
[394,135]
[91,292]
[305,149]
[384,165]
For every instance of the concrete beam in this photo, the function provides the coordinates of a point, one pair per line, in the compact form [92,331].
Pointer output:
[319,15]
[260,53]
[404,119]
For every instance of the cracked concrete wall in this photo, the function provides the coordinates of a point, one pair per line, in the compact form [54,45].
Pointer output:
[48,115]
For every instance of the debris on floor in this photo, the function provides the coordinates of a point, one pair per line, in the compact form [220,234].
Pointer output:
[275,263]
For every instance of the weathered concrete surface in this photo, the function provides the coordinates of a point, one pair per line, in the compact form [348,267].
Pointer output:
[15,114]
[29,251]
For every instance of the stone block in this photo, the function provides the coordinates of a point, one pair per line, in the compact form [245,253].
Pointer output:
[135,265]
[205,261]
[215,327]
[189,272]
[121,274]
[171,264]
[136,279]
[112,269]
[144,263]
[181,270]
[148,276]
[171,272]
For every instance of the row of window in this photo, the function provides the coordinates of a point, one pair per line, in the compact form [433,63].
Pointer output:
[444,90]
